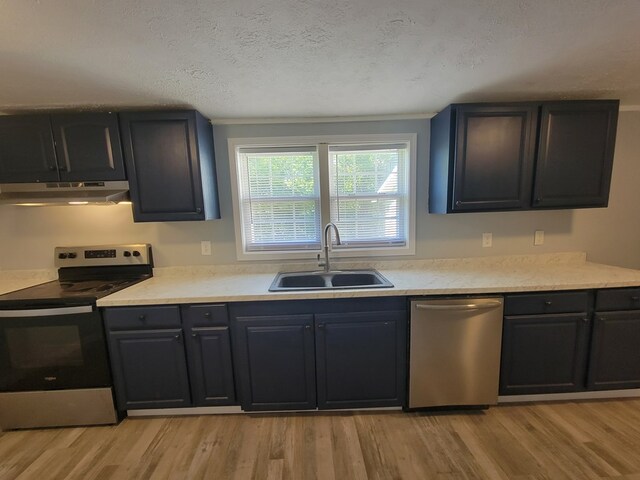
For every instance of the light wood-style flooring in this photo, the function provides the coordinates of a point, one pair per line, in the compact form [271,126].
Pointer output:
[585,440]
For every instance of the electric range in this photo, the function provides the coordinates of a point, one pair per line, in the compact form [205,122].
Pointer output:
[54,367]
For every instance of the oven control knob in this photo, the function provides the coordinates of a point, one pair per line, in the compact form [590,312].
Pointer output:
[136,253]
[127,254]
[62,256]
[72,255]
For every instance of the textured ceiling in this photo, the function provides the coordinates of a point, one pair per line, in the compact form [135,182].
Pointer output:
[310,58]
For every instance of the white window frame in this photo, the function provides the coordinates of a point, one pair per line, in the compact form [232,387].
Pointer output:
[323,141]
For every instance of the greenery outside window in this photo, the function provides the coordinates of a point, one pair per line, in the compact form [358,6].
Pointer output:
[285,190]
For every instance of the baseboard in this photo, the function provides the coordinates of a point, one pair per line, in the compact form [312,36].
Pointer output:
[550,397]
[161,412]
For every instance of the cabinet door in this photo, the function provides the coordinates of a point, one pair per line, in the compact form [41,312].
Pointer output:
[361,359]
[161,154]
[544,353]
[149,369]
[575,154]
[210,368]
[88,147]
[274,360]
[615,351]
[26,149]
[493,157]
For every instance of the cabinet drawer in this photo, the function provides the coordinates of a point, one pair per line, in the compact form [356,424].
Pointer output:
[205,315]
[142,318]
[535,303]
[618,299]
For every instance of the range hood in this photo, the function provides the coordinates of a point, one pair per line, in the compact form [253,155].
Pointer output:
[64,193]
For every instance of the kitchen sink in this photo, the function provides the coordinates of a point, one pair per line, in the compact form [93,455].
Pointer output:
[332,280]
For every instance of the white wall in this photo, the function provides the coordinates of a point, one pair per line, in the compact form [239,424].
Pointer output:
[610,235]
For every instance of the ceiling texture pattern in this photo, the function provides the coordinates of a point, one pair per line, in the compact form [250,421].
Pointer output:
[314,58]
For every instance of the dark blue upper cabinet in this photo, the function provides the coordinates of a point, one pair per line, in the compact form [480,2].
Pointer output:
[27,151]
[69,147]
[88,147]
[483,156]
[575,154]
[170,165]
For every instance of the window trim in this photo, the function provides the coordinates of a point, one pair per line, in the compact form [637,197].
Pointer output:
[322,141]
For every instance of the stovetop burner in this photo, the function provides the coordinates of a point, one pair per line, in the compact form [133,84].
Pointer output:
[93,286]
[86,274]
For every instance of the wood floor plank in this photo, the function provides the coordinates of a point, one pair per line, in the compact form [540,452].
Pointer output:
[347,453]
[553,441]
[475,445]
[323,451]
[546,443]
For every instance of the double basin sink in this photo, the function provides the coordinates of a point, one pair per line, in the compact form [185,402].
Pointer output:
[332,280]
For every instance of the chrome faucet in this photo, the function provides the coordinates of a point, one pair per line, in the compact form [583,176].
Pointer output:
[327,241]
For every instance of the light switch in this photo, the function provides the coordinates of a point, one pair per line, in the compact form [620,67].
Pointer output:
[538,237]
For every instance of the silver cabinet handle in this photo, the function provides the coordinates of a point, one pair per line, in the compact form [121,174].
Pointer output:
[45,312]
[453,306]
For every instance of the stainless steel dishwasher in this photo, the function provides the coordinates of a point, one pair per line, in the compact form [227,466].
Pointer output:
[455,351]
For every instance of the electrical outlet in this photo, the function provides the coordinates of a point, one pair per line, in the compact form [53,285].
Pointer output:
[205,247]
[538,237]
[487,239]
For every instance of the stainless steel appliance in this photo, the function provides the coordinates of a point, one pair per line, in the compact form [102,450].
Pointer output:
[63,193]
[455,351]
[54,368]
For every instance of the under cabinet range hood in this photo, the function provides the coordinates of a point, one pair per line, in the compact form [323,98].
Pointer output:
[64,193]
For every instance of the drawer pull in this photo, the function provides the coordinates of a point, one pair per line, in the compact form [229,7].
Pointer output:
[142,317]
[548,302]
[207,314]
[635,298]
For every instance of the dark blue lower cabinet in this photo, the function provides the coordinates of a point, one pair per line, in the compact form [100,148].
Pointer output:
[149,369]
[361,359]
[275,362]
[615,351]
[210,366]
[544,353]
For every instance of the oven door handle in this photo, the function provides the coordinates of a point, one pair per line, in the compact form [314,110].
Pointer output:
[46,312]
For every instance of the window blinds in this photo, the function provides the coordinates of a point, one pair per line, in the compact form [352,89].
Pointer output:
[280,197]
[369,193]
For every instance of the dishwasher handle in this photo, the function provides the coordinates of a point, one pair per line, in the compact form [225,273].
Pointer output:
[459,306]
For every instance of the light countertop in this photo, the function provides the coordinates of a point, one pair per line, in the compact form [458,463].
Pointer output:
[11,280]
[246,282]
[234,283]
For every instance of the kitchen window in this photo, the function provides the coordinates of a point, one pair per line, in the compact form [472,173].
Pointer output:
[286,189]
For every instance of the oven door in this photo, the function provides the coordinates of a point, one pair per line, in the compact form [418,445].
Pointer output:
[52,349]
